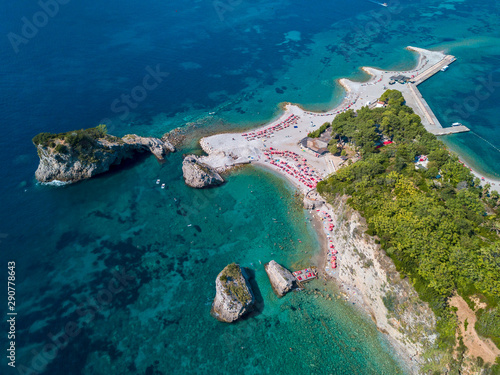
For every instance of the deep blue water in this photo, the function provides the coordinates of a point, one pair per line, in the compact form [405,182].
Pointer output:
[240,60]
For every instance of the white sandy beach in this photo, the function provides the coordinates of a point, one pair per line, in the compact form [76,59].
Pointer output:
[230,149]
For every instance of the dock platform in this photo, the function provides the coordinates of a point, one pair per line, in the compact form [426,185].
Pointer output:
[426,74]
[420,106]
[304,275]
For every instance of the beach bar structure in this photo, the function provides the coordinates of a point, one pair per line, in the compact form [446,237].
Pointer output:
[317,145]
[304,275]
[400,78]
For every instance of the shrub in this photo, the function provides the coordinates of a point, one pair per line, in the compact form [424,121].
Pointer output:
[390,302]
[42,138]
[488,325]
[317,133]
[62,149]
[72,137]
[230,277]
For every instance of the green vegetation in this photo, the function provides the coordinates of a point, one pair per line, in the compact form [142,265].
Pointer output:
[71,137]
[60,148]
[333,149]
[432,223]
[81,142]
[234,281]
[317,133]
[390,302]
[488,324]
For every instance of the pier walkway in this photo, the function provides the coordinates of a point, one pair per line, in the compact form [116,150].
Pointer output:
[418,103]
[447,60]
[429,120]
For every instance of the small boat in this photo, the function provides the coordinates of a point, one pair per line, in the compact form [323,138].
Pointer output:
[444,68]
[163,186]
[376,2]
[158,182]
[211,113]
[456,124]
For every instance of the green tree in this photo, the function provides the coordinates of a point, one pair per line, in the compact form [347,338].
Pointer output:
[439,156]
[333,149]
[439,235]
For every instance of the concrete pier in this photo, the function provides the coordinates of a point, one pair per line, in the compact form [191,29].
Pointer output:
[447,60]
[420,106]
[429,120]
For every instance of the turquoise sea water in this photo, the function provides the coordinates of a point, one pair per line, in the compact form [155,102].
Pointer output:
[239,60]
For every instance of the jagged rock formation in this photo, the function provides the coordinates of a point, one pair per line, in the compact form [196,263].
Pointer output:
[79,155]
[234,297]
[158,147]
[281,279]
[199,175]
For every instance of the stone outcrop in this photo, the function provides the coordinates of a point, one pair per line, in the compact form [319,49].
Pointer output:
[158,147]
[60,161]
[199,175]
[281,279]
[309,204]
[234,297]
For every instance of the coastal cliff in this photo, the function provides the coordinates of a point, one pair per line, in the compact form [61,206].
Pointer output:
[281,279]
[388,298]
[199,175]
[234,297]
[78,155]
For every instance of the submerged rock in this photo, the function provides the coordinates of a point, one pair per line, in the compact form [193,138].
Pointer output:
[78,155]
[234,297]
[309,204]
[199,175]
[281,279]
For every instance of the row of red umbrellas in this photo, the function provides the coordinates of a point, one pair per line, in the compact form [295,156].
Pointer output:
[290,120]
[302,171]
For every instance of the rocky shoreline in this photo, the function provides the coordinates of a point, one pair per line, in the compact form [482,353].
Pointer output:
[367,279]
[66,161]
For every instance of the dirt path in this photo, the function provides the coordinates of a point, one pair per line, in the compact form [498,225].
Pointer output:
[476,347]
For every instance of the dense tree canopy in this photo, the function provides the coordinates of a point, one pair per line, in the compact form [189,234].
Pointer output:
[73,137]
[433,223]
[82,143]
